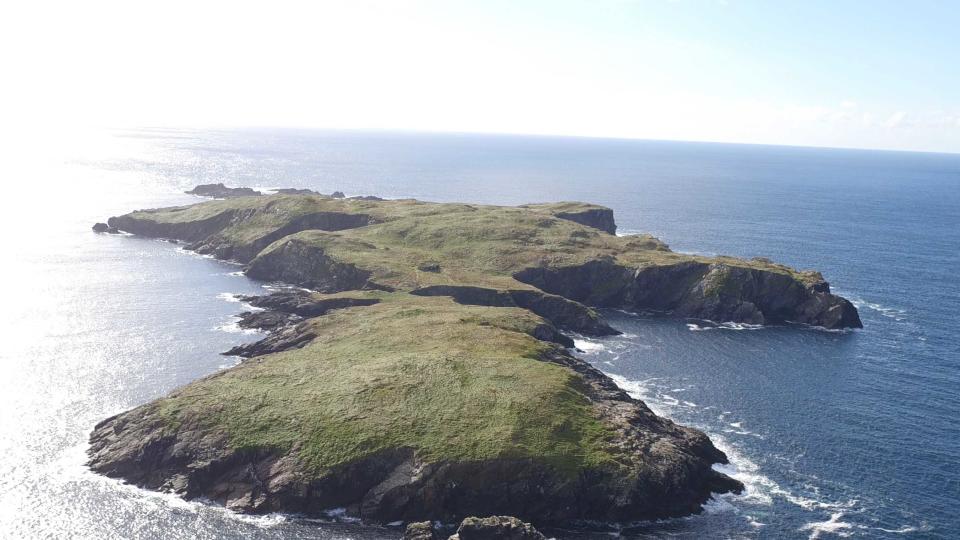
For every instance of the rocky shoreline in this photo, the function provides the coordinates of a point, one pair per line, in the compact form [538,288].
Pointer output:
[426,373]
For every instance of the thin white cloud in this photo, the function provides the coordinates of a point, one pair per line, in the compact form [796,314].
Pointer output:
[896,119]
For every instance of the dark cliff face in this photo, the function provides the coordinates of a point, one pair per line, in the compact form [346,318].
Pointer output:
[716,292]
[223,248]
[191,231]
[205,235]
[566,314]
[598,218]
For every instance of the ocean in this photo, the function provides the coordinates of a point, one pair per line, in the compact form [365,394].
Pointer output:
[835,434]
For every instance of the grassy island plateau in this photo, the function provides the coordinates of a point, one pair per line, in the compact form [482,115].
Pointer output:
[419,364]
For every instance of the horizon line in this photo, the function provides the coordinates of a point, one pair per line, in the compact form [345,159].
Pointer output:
[424,131]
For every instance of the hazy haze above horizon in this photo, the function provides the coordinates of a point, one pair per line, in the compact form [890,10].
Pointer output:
[842,74]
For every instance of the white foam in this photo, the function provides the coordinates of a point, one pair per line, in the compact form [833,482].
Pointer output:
[889,312]
[588,347]
[698,253]
[144,501]
[233,327]
[340,514]
[184,251]
[234,361]
[901,530]
[235,298]
[831,526]
[717,504]
[759,489]
[710,325]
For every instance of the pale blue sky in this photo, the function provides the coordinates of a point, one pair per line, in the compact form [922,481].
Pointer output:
[854,74]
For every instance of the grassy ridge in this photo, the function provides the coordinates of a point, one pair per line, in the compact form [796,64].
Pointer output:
[474,244]
[452,382]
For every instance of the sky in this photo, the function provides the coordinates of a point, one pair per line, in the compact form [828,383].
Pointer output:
[878,74]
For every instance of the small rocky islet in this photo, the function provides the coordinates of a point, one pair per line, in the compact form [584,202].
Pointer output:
[417,367]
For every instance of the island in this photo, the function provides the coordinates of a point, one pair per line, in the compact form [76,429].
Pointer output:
[419,364]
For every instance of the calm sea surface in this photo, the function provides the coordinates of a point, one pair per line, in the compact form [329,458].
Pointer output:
[853,434]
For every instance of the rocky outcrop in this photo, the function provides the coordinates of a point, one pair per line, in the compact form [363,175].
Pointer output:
[220,191]
[304,303]
[223,247]
[308,265]
[430,267]
[281,338]
[565,314]
[590,215]
[283,313]
[187,231]
[296,191]
[496,528]
[475,528]
[419,530]
[104,228]
[692,289]
[598,218]
[265,320]
[206,236]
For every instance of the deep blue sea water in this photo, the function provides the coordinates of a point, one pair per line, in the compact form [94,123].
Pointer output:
[835,434]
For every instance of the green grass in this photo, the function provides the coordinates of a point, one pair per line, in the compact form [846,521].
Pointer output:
[452,382]
[474,244]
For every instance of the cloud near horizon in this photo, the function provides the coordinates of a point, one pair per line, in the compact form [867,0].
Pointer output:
[658,70]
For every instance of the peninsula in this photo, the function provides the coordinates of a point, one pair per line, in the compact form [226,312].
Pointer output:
[420,369]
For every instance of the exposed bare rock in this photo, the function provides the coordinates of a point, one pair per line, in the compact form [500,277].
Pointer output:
[420,530]
[496,528]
